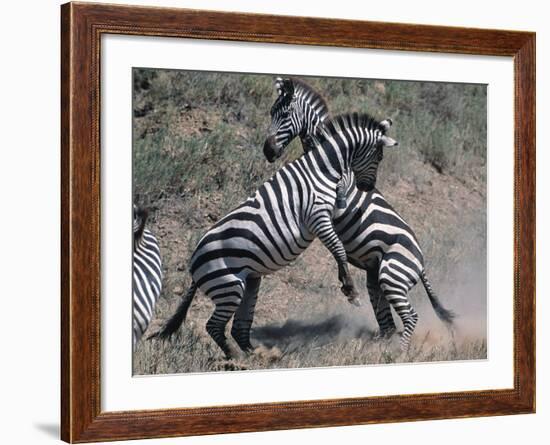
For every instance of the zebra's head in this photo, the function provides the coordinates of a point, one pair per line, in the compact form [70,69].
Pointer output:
[140,217]
[298,111]
[286,120]
[368,154]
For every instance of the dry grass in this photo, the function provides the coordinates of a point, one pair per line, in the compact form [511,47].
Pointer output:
[197,154]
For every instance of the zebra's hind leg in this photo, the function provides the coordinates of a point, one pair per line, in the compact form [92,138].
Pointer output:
[244,316]
[381,307]
[396,289]
[408,315]
[227,297]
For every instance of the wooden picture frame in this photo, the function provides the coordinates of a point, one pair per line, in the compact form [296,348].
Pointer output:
[82,26]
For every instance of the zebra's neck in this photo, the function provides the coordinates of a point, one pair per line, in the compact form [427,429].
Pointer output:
[314,112]
[329,161]
[338,141]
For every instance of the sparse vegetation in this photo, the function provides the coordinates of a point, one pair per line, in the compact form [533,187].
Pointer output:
[198,141]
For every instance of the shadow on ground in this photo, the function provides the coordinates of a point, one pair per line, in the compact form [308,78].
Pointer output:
[295,334]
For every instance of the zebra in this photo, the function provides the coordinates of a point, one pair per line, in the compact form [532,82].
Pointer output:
[376,238]
[276,224]
[147,274]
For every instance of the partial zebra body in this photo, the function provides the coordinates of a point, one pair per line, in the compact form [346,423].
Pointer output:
[371,230]
[380,242]
[147,275]
[269,230]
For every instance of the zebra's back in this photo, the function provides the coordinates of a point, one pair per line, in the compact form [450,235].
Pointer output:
[262,235]
[370,229]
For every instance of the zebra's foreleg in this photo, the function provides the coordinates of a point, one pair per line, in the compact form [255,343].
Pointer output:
[244,316]
[381,307]
[227,299]
[324,230]
[348,287]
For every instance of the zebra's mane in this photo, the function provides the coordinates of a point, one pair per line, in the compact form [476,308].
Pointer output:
[336,124]
[314,95]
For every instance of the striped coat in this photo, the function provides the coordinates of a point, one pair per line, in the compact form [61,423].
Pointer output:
[147,274]
[277,223]
[374,235]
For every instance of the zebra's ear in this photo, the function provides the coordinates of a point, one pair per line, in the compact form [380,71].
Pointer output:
[385,125]
[288,87]
[386,141]
[279,85]
[285,87]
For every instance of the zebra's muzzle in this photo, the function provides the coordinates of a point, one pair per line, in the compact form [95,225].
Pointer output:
[271,152]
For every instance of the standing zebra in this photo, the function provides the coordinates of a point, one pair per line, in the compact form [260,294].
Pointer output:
[147,274]
[274,226]
[375,237]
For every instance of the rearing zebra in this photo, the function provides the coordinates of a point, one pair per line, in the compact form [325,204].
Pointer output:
[375,237]
[147,274]
[276,224]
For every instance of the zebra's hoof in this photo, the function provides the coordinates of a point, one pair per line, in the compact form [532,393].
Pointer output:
[247,349]
[349,291]
[232,353]
[383,335]
[355,301]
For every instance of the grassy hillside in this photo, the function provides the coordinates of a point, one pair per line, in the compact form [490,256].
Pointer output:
[198,141]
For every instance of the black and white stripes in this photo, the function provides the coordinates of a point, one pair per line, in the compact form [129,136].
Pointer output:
[298,111]
[147,274]
[376,239]
[276,224]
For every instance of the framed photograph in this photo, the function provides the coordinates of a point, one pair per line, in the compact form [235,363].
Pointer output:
[275,222]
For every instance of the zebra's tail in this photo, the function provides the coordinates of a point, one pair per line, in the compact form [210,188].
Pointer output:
[444,314]
[176,320]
